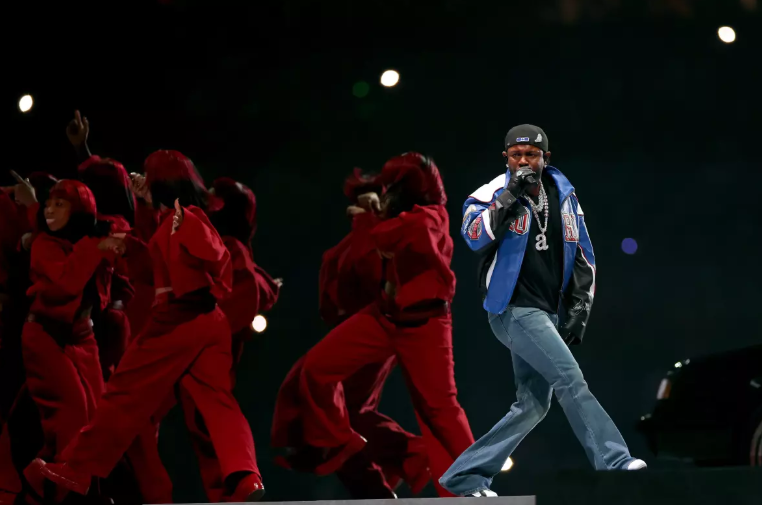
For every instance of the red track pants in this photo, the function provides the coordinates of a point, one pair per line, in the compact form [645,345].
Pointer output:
[64,379]
[195,354]
[208,463]
[425,355]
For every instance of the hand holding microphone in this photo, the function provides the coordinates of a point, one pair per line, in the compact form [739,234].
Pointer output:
[521,181]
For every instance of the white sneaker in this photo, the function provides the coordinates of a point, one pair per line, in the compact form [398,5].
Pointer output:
[484,494]
[637,464]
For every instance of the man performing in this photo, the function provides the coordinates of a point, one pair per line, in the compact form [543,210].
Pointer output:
[532,269]
[410,319]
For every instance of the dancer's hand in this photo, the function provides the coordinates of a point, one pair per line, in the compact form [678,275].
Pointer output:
[78,130]
[353,210]
[369,202]
[113,244]
[23,192]
[139,187]
[177,220]
[278,282]
[26,241]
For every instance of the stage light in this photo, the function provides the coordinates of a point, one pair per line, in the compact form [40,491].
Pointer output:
[726,34]
[390,78]
[25,103]
[629,246]
[507,465]
[259,323]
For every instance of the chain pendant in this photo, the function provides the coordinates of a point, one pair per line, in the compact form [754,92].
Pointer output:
[542,243]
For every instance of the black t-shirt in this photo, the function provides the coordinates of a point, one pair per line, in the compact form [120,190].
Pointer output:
[539,283]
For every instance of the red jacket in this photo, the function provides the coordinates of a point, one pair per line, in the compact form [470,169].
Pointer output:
[254,291]
[60,270]
[192,258]
[351,272]
[422,247]
[139,271]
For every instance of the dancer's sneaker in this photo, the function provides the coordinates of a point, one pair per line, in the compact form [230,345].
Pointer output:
[249,489]
[636,464]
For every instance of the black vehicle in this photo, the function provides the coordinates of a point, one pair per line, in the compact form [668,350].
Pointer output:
[709,410]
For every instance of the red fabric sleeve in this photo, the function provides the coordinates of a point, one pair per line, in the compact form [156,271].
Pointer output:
[243,303]
[68,272]
[198,238]
[422,249]
[138,260]
[268,290]
[359,271]
[31,218]
[121,289]
[417,230]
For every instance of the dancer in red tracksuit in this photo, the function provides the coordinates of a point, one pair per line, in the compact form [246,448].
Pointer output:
[71,274]
[254,291]
[110,184]
[21,436]
[410,320]
[20,217]
[187,342]
[350,275]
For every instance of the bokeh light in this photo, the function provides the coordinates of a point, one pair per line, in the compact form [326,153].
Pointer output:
[629,246]
[25,103]
[726,34]
[390,78]
[361,89]
[259,323]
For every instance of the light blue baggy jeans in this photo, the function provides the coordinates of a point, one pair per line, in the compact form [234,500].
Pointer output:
[542,363]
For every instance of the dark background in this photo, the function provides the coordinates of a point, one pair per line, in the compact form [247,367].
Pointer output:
[653,119]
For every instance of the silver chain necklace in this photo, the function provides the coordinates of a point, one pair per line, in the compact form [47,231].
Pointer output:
[542,202]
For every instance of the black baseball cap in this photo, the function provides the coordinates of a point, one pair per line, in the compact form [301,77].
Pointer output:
[527,134]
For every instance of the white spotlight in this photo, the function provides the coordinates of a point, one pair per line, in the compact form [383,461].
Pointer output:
[25,104]
[390,78]
[726,34]
[507,465]
[259,323]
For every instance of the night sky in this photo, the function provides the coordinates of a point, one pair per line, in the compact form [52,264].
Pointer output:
[653,119]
